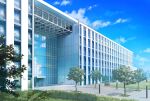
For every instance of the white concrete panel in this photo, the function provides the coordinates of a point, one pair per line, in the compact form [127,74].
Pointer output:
[33,45]
[9,22]
[24,42]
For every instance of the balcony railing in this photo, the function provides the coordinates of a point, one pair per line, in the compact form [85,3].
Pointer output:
[53,19]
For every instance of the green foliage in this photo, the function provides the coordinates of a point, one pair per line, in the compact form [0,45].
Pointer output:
[139,75]
[96,75]
[123,74]
[55,96]
[76,74]
[7,69]
[106,80]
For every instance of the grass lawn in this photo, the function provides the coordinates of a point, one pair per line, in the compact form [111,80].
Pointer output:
[132,86]
[55,96]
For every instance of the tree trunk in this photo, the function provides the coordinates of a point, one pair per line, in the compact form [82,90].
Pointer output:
[124,89]
[76,87]
[116,84]
[138,86]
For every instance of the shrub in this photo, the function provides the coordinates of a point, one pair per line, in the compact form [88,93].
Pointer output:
[55,96]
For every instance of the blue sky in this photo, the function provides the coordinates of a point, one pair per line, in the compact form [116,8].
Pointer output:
[125,21]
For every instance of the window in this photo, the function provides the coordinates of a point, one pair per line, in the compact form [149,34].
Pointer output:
[17,33]
[89,33]
[88,51]
[80,50]
[88,42]
[17,3]
[92,61]
[2,12]
[2,29]
[80,40]
[96,46]
[96,54]
[80,60]
[30,37]
[93,35]
[89,61]
[30,6]
[17,49]
[92,53]
[29,52]
[92,44]
[84,51]
[29,69]
[17,17]
[84,31]
[84,60]
[96,36]
[84,42]
[3,1]
[30,22]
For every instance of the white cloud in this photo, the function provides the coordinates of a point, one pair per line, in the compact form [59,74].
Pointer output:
[122,40]
[100,24]
[62,3]
[120,20]
[91,7]
[79,15]
[141,61]
[56,3]
[147,50]
[65,2]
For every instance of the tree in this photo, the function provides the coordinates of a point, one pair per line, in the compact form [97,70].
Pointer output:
[9,71]
[139,76]
[123,74]
[76,74]
[96,75]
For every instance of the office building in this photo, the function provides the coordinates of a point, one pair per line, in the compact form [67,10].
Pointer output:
[53,42]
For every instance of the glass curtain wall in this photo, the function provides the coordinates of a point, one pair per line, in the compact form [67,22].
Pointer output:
[45,59]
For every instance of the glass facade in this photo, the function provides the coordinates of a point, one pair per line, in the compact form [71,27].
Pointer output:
[17,33]
[17,49]
[17,17]
[105,54]
[45,60]
[30,7]
[2,11]
[3,1]
[30,37]
[17,3]
[30,21]
[2,28]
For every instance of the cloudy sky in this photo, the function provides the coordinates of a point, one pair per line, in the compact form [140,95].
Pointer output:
[125,21]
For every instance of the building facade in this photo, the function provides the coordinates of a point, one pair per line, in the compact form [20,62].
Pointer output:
[53,42]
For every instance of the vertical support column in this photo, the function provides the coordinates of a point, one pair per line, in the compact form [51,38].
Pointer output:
[32,44]
[90,55]
[24,42]
[9,22]
[82,58]
[87,80]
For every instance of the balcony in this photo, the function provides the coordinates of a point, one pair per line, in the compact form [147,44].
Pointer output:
[48,22]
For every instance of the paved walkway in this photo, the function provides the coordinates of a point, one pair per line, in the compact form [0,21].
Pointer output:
[105,91]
